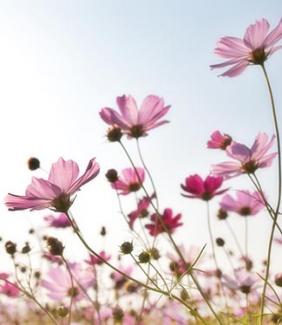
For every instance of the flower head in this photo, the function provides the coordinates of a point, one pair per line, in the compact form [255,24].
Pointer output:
[245,204]
[141,211]
[202,189]
[54,193]
[136,123]
[60,285]
[219,140]
[129,181]
[248,159]
[94,260]
[60,221]
[168,223]
[255,47]
[10,289]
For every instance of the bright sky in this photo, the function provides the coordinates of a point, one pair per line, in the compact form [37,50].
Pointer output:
[61,61]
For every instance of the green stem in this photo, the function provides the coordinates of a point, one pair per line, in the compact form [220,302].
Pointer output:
[279,193]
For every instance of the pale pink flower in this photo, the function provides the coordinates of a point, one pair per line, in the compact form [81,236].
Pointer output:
[129,181]
[202,189]
[219,140]
[168,223]
[59,221]
[54,193]
[59,284]
[141,211]
[245,204]
[136,123]
[243,281]
[255,47]
[248,160]
[94,260]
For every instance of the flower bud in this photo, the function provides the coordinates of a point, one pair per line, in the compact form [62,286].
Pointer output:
[114,134]
[118,314]
[222,214]
[62,311]
[278,279]
[112,175]
[26,249]
[126,247]
[55,247]
[11,248]
[144,257]
[33,163]
[220,242]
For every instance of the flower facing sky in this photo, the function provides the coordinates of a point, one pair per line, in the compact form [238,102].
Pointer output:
[54,193]
[136,123]
[129,181]
[168,223]
[245,203]
[256,46]
[202,189]
[248,160]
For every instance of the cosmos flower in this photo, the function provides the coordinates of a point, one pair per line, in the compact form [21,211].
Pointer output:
[245,204]
[94,260]
[129,181]
[59,221]
[248,160]
[168,224]
[219,140]
[136,123]
[56,192]
[202,189]
[141,210]
[255,47]
[59,284]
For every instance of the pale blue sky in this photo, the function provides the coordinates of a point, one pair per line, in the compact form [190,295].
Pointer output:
[61,61]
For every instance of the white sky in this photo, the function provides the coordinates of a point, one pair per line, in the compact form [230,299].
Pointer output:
[61,61]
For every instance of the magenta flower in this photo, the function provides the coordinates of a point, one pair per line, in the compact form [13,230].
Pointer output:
[10,289]
[141,211]
[54,193]
[59,284]
[245,204]
[256,46]
[248,159]
[130,180]
[60,221]
[136,123]
[168,224]
[219,140]
[94,260]
[202,189]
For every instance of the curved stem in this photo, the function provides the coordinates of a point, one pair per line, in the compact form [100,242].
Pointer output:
[148,172]
[278,194]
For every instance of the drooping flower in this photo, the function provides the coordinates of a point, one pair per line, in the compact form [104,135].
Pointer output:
[202,189]
[56,192]
[219,140]
[94,260]
[164,223]
[129,181]
[248,159]
[141,210]
[136,123]
[59,283]
[245,204]
[60,221]
[255,47]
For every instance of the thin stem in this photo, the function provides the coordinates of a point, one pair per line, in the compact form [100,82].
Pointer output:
[234,237]
[72,288]
[246,237]
[278,194]
[148,172]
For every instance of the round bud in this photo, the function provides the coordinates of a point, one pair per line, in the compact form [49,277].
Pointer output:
[62,311]
[103,231]
[55,247]
[26,249]
[112,175]
[278,279]
[220,242]
[155,254]
[144,257]
[37,275]
[118,314]
[126,247]
[33,163]
[222,214]
[114,134]
[11,248]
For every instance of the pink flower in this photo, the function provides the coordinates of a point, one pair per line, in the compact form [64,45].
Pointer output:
[244,281]
[54,193]
[245,204]
[219,140]
[141,211]
[248,159]
[59,284]
[10,289]
[169,223]
[94,260]
[60,221]
[202,189]
[130,180]
[256,46]
[133,122]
